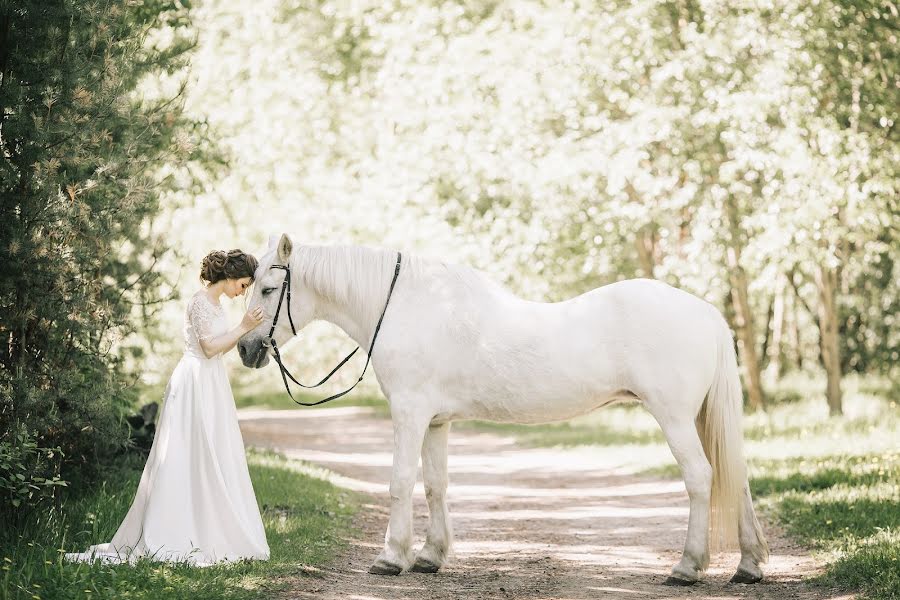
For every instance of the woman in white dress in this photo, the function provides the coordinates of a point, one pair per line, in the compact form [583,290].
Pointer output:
[195,503]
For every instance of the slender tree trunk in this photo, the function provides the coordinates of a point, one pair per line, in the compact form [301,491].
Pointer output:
[646,250]
[767,335]
[743,318]
[796,340]
[775,367]
[826,284]
[646,238]
[743,321]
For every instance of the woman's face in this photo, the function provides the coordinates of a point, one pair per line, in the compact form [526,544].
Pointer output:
[237,287]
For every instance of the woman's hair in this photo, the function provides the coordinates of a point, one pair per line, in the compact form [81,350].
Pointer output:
[234,264]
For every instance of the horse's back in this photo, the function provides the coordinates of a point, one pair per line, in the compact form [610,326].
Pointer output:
[502,357]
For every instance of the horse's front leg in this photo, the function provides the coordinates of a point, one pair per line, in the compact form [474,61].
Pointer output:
[434,471]
[397,555]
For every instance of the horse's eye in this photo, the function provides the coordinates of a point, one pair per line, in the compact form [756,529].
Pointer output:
[267,291]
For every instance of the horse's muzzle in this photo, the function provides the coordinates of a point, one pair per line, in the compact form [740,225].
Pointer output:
[254,354]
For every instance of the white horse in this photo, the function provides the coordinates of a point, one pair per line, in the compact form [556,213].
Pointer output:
[455,345]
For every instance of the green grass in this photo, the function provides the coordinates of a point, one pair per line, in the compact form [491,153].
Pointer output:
[247,397]
[305,518]
[847,508]
[833,483]
[613,426]
[273,396]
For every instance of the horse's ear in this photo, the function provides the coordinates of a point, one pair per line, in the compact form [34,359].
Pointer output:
[273,239]
[284,249]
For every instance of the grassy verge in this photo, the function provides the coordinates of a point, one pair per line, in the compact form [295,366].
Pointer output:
[278,399]
[304,517]
[275,398]
[845,507]
[613,426]
[833,483]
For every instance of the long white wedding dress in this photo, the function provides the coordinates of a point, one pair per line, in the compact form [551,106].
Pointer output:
[195,502]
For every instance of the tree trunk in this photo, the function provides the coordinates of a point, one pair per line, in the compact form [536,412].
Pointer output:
[775,355]
[767,336]
[826,285]
[746,335]
[743,318]
[646,250]
[796,338]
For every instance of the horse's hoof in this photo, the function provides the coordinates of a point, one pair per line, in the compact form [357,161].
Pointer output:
[424,566]
[675,581]
[380,567]
[742,576]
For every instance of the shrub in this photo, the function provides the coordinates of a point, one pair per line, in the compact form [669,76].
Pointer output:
[83,146]
[28,472]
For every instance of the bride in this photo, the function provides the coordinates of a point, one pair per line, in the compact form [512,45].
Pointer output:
[195,503]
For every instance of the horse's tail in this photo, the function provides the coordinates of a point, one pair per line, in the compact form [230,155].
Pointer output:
[719,426]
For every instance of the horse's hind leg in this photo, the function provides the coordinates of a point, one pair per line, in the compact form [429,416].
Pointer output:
[434,471]
[409,430]
[754,549]
[684,442]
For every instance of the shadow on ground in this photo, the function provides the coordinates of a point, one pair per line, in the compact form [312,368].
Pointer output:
[529,523]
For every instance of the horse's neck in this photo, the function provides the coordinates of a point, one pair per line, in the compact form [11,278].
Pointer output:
[351,284]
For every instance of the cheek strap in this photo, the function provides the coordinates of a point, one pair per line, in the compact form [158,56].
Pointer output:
[285,373]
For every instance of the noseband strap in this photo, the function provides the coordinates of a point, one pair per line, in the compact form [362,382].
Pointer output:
[270,339]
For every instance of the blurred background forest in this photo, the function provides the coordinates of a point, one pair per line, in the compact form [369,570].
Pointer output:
[747,152]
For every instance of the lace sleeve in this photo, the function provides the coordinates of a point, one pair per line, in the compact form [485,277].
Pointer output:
[202,315]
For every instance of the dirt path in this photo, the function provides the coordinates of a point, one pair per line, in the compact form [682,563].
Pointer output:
[529,523]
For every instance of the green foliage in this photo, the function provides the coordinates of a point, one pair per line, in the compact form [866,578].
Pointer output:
[847,508]
[27,472]
[83,139]
[870,335]
[563,145]
[304,517]
[871,565]
[820,500]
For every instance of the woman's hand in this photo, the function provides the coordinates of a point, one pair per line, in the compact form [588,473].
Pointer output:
[252,318]
[225,342]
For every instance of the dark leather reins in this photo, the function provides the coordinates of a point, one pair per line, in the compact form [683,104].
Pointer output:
[270,340]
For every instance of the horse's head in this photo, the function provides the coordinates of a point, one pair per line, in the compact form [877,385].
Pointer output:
[255,346]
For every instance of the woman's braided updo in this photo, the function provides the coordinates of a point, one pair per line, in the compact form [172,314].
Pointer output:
[234,264]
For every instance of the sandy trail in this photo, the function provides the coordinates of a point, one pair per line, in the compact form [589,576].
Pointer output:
[529,523]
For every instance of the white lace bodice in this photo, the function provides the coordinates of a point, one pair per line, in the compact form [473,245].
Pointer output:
[202,320]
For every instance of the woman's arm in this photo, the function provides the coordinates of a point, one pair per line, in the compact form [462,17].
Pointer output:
[225,342]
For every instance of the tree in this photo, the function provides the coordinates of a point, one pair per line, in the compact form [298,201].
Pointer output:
[84,139]
[857,82]
[563,145]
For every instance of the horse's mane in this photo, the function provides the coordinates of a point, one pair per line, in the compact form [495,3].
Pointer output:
[360,276]
[348,275]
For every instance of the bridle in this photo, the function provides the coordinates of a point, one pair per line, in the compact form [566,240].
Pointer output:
[270,340]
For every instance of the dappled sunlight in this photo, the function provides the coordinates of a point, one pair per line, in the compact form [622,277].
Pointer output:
[375,459]
[248,414]
[522,511]
[620,592]
[461,491]
[536,522]
[616,459]
[639,558]
[577,512]
[820,447]
[745,153]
